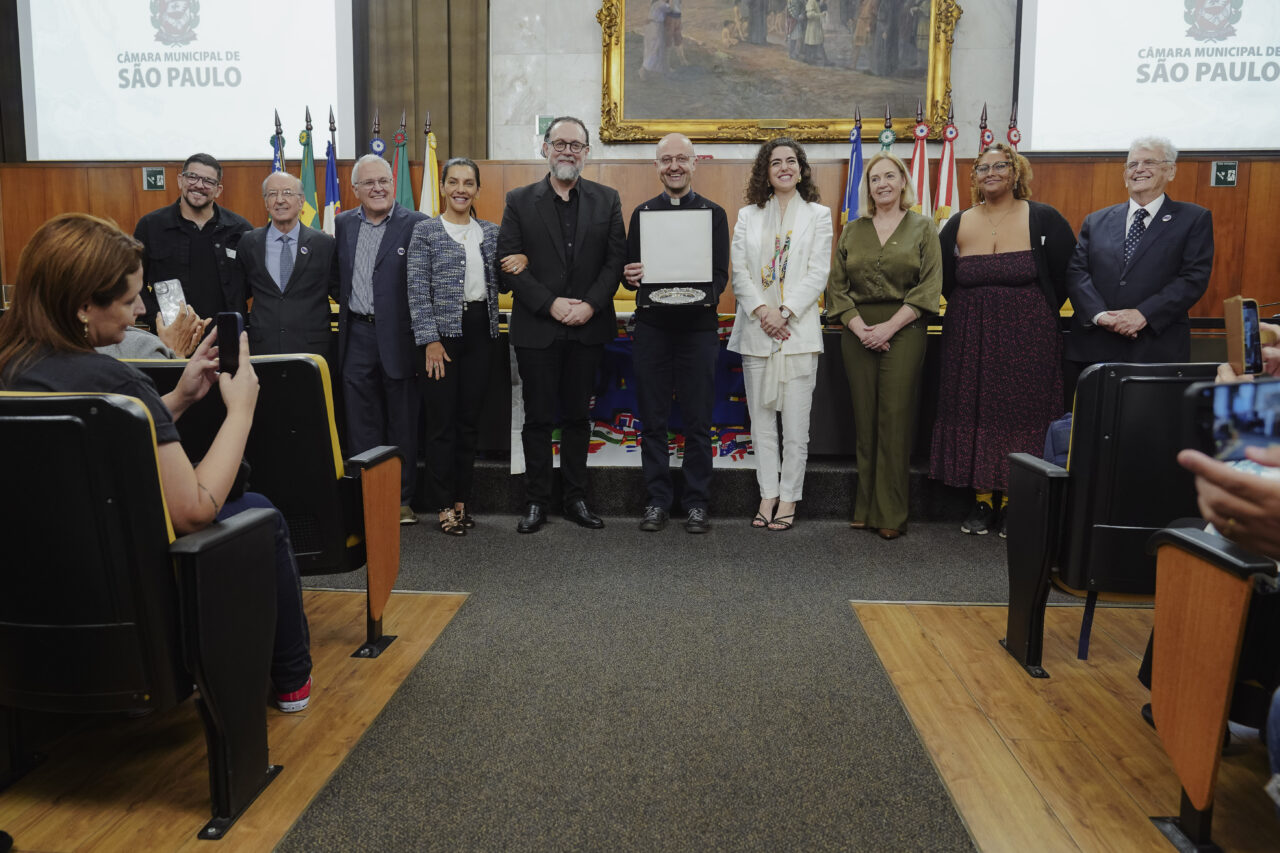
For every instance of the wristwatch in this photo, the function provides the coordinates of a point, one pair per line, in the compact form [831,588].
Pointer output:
[786,313]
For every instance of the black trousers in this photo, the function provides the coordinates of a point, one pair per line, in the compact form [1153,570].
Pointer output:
[454,405]
[561,377]
[684,364]
[380,410]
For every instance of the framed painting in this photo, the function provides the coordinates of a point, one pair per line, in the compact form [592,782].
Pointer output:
[749,70]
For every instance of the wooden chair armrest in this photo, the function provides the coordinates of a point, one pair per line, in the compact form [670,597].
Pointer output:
[1214,549]
[371,457]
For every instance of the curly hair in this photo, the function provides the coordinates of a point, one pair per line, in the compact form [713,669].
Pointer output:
[758,188]
[1021,172]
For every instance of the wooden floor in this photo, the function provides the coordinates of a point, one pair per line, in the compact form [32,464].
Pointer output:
[154,792]
[1058,764]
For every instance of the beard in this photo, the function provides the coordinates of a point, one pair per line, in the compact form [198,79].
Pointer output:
[566,171]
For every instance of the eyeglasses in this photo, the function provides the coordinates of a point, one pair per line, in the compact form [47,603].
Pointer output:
[575,147]
[999,168]
[381,183]
[199,180]
[1134,165]
[678,160]
[284,194]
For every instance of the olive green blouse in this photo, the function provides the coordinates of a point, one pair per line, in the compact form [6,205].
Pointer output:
[907,269]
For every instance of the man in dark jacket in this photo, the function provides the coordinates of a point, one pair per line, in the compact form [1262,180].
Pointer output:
[194,241]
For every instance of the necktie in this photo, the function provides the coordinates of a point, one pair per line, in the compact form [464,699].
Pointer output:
[1135,233]
[286,261]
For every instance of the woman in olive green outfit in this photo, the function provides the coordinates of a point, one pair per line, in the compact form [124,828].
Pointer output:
[885,279]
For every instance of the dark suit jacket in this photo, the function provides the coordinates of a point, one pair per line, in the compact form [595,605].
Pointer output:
[396,349]
[1168,272]
[530,225]
[297,319]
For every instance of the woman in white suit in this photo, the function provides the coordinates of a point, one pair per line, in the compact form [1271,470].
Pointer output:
[781,257]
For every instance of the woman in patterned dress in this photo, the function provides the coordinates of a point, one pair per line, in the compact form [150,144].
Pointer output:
[1004,265]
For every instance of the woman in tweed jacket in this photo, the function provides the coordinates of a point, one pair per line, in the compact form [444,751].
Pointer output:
[453,305]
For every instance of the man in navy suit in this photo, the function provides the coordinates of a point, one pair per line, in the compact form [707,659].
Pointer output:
[290,270]
[376,349]
[1138,268]
[571,232]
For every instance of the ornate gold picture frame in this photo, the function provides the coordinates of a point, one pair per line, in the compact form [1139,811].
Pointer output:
[749,70]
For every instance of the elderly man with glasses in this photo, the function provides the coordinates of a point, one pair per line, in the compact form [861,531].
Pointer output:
[290,270]
[195,242]
[1138,268]
[568,244]
[378,357]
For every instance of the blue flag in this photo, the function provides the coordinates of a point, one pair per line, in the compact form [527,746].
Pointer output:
[332,195]
[850,210]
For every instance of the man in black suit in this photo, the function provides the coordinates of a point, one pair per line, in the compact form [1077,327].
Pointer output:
[376,349]
[570,230]
[194,241]
[1138,268]
[675,350]
[290,270]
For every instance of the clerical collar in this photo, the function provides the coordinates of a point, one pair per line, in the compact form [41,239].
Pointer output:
[676,201]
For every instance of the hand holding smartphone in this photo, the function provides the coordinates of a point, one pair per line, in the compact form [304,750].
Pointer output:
[230,325]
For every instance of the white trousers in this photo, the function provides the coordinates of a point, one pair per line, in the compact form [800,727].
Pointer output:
[783,479]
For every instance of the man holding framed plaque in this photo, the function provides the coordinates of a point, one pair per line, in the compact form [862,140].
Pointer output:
[678,261]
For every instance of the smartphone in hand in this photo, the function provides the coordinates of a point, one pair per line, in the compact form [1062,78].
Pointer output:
[1244,335]
[1225,418]
[230,325]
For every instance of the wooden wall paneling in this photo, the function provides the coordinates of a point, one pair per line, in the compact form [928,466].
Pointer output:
[1260,248]
[31,195]
[242,188]
[117,194]
[1230,207]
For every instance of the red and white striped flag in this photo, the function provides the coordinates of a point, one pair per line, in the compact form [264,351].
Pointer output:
[948,197]
[920,167]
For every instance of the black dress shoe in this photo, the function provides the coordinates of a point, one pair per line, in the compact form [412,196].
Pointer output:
[577,512]
[534,517]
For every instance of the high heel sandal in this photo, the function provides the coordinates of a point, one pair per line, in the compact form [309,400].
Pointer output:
[760,522]
[465,518]
[782,522]
[450,525]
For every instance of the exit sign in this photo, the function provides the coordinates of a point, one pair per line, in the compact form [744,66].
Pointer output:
[153,177]
[1224,173]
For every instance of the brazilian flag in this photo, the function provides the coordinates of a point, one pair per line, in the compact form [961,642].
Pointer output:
[310,208]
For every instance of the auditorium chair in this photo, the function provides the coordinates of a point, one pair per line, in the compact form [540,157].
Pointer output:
[103,611]
[341,515]
[1091,520]
[1203,588]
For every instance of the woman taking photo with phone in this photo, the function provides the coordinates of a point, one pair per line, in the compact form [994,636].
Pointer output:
[79,286]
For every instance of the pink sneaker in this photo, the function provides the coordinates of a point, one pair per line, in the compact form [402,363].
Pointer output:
[295,701]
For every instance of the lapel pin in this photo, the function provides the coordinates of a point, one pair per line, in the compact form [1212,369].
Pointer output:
[303,249]
[1166,217]
[400,251]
